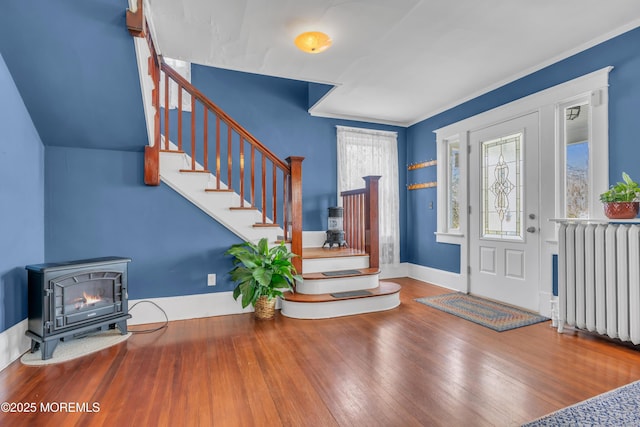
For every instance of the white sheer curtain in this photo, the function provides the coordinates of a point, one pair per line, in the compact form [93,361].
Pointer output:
[184,69]
[363,152]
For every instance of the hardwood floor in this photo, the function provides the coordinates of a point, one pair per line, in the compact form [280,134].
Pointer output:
[410,366]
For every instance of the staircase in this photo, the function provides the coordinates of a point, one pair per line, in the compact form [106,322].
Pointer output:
[338,282]
[255,194]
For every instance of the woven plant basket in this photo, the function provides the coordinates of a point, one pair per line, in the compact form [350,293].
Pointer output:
[621,210]
[265,309]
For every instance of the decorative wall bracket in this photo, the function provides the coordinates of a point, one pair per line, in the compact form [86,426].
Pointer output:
[421,165]
[422,185]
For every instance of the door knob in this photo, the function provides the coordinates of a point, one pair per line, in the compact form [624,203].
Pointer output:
[531,229]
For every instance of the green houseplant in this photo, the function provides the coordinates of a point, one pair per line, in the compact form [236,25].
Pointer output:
[621,200]
[261,273]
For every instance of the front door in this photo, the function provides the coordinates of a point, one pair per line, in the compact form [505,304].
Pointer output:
[503,218]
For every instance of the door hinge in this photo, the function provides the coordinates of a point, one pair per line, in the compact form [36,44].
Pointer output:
[468,269]
[469,149]
[469,209]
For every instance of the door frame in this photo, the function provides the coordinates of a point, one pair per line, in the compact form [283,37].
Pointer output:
[528,126]
[545,103]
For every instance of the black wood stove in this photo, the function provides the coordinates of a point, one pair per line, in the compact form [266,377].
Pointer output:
[335,233]
[71,299]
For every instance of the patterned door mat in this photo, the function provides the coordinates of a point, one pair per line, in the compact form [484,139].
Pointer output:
[491,314]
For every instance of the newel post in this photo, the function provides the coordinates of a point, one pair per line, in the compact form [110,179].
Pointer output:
[295,197]
[135,20]
[137,25]
[371,224]
[152,154]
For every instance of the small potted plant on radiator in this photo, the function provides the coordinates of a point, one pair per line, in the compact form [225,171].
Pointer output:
[621,200]
[261,273]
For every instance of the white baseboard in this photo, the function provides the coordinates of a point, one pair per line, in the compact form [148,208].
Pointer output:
[545,305]
[13,343]
[185,307]
[445,279]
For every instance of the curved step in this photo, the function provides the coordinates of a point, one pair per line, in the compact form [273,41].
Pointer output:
[338,281]
[323,306]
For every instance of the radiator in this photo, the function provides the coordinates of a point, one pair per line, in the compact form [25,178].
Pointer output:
[599,279]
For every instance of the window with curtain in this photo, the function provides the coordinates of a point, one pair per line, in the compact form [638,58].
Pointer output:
[363,152]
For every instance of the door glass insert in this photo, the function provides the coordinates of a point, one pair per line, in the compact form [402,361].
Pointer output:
[502,188]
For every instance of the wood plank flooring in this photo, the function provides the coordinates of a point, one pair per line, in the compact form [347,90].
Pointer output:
[410,366]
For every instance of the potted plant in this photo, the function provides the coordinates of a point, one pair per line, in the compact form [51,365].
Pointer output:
[261,273]
[621,200]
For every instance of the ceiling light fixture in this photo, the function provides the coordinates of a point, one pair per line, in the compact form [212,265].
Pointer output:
[313,42]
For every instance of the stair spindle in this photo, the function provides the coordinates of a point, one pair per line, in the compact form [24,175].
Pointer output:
[179,118]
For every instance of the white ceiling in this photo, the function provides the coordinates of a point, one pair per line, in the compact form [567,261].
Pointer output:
[392,61]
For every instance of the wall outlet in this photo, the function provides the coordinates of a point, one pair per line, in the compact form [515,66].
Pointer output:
[211,279]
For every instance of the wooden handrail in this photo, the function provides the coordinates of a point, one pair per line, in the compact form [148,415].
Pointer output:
[194,92]
[361,220]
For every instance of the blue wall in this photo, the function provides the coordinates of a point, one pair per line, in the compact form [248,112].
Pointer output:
[624,127]
[274,110]
[21,201]
[76,71]
[87,109]
[74,65]
[97,205]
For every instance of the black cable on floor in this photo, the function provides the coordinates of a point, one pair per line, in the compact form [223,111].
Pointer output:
[148,331]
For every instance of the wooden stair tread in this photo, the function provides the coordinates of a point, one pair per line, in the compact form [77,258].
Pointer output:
[265,224]
[218,190]
[172,151]
[361,272]
[242,208]
[385,288]
[195,171]
[319,253]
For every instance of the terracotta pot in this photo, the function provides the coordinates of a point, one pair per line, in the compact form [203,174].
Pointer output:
[621,210]
[265,309]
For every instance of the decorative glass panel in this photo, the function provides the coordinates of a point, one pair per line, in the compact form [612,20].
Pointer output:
[577,161]
[454,185]
[502,188]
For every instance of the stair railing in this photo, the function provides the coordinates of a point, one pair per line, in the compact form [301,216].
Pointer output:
[241,163]
[360,219]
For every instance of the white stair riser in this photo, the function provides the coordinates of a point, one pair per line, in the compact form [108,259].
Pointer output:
[215,204]
[342,284]
[319,265]
[347,307]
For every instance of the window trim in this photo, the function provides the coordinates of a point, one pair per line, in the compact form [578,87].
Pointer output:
[445,234]
[598,140]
